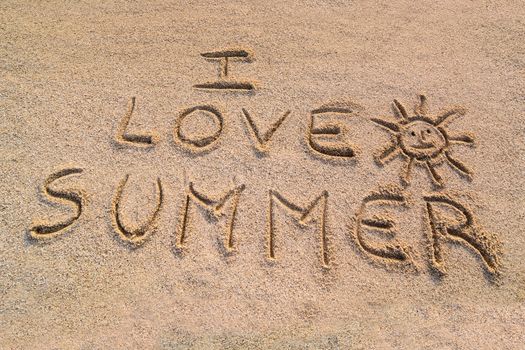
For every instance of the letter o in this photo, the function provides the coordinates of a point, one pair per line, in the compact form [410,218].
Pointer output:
[199,143]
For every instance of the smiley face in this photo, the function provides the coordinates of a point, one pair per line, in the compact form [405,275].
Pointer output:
[422,140]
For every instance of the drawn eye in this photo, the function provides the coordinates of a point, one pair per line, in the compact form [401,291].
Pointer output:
[413,133]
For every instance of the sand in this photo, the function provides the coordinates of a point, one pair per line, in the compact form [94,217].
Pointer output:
[262,175]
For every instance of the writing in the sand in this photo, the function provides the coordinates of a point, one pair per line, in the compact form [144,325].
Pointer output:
[370,220]
[326,136]
[418,138]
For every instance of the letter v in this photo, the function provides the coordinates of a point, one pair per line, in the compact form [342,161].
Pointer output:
[262,140]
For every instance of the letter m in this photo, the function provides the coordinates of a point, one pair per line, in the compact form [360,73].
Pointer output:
[303,215]
[213,206]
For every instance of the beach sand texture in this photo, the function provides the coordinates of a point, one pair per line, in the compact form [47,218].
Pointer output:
[262,175]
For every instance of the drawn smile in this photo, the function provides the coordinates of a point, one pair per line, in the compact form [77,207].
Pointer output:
[423,146]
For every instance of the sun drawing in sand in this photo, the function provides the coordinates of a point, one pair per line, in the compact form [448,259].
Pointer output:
[423,140]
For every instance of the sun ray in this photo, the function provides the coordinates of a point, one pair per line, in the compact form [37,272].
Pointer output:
[422,108]
[458,111]
[463,138]
[386,124]
[405,172]
[388,154]
[436,178]
[399,110]
[458,166]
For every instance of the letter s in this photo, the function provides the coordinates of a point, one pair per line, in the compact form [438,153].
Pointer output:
[46,229]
